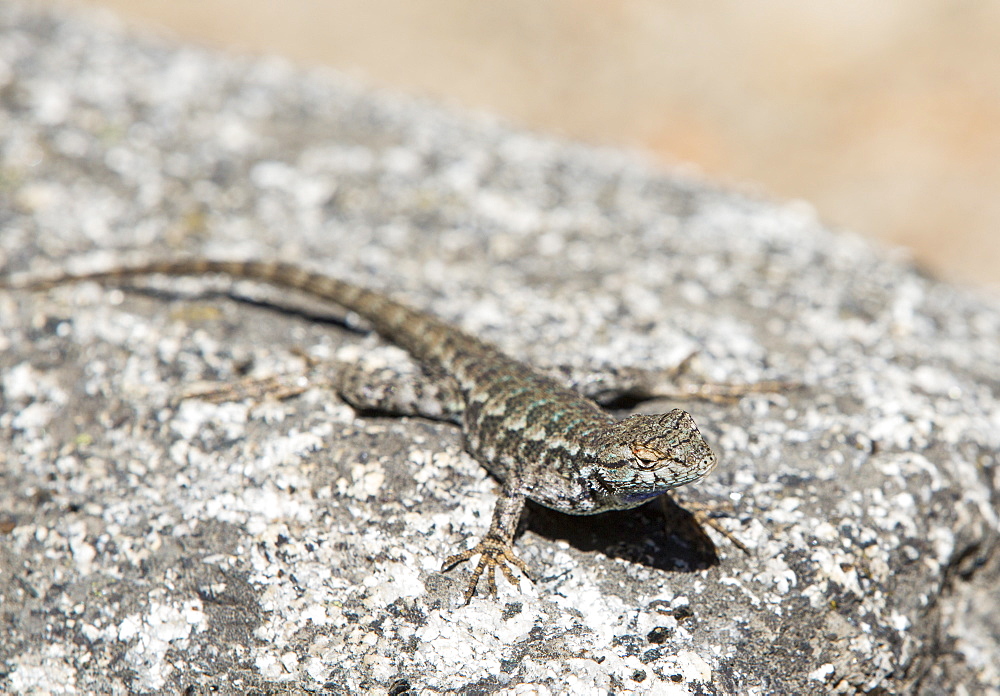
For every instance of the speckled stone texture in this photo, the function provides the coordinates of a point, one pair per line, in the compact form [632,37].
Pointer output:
[151,543]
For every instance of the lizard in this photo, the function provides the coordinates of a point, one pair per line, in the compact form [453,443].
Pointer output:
[541,439]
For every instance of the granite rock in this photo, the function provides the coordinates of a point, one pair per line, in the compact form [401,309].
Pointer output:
[153,542]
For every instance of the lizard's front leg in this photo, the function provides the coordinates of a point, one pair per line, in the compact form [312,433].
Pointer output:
[495,550]
[634,384]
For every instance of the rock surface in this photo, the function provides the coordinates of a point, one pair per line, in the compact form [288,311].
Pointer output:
[155,543]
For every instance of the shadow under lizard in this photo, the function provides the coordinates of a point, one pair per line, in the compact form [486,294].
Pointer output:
[542,440]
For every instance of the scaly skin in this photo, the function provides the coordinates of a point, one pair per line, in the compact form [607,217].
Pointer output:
[542,440]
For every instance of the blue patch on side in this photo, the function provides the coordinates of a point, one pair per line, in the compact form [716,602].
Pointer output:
[636,498]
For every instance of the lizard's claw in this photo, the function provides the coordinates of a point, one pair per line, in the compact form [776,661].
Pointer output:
[493,554]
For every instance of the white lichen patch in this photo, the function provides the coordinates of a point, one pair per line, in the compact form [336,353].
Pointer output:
[153,632]
[47,670]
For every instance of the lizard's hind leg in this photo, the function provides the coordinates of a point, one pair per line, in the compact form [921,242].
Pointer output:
[400,389]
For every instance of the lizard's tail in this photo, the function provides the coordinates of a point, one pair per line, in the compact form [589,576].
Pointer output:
[424,336]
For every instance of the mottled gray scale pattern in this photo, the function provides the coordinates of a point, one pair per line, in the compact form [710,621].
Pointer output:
[542,440]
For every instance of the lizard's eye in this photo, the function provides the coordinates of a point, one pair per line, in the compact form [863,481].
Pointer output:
[647,457]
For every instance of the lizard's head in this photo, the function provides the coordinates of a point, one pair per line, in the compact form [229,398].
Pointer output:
[644,455]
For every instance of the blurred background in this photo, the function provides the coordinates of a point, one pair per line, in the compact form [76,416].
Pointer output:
[885,116]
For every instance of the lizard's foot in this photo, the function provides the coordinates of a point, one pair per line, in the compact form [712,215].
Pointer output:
[493,554]
[258,389]
[689,522]
[722,393]
[704,514]
[277,388]
[631,385]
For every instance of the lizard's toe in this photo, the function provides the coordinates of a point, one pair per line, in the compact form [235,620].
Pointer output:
[493,554]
